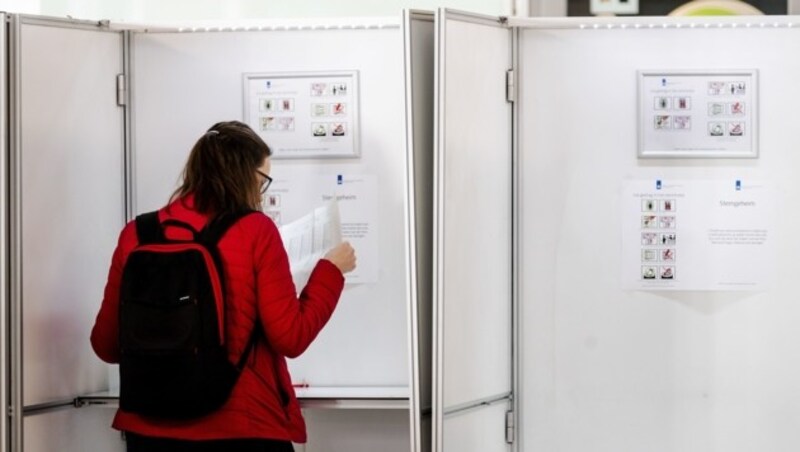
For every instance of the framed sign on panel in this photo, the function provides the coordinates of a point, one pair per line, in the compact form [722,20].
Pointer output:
[698,114]
[304,115]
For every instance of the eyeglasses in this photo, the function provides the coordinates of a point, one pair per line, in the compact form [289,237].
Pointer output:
[266,183]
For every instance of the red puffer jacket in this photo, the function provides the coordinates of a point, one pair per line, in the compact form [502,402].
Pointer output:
[258,283]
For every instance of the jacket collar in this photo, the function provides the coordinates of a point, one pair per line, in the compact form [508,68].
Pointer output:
[182,209]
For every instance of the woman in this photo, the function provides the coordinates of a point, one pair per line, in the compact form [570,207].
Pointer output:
[228,171]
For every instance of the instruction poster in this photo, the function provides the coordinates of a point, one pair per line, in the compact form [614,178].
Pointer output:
[304,115]
[688,114]
[696,235]
[296,193]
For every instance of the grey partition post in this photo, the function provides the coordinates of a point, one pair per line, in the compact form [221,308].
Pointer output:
[14,241]
[67,208]
[418,28]
[513,418]
[473,227]
[4,242]
[124,88]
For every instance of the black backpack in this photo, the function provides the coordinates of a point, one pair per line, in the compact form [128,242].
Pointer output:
[173,359]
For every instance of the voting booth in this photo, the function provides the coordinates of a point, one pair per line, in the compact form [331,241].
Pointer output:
[642,170]
[102,118]
[700,356]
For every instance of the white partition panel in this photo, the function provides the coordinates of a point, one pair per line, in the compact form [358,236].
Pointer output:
[356,430]
[70,160]
[182,83]
[480,429]
[473,221]
[419,31]
[83,430]
[610,370]
[67,208]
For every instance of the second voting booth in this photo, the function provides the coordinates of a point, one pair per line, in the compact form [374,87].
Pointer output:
[652,189]
[645,167]
[596,218]
[658,233]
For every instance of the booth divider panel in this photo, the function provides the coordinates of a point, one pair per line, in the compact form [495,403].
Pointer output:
[72,202]
[480,430]
[475,226]
[420,83]
[72,430]
[386,431]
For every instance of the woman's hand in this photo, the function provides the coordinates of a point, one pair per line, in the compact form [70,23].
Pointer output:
[343,256]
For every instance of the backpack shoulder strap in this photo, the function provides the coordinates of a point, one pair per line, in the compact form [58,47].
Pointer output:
[210,236]
[217,227]
[148,228]
[213,231]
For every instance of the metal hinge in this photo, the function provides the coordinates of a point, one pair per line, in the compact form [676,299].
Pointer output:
[121,91]
[511,87]
[510,427]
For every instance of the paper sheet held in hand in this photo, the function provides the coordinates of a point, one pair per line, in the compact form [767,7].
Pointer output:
[307,239]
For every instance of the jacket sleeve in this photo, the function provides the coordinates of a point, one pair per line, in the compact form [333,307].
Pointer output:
[105,338]
[290,322]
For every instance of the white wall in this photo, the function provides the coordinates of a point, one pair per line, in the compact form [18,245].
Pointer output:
[21,6]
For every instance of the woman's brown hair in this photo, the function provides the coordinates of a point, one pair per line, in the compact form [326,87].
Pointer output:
[221,169]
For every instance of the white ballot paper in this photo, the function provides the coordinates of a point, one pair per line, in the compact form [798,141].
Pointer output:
[308,238]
